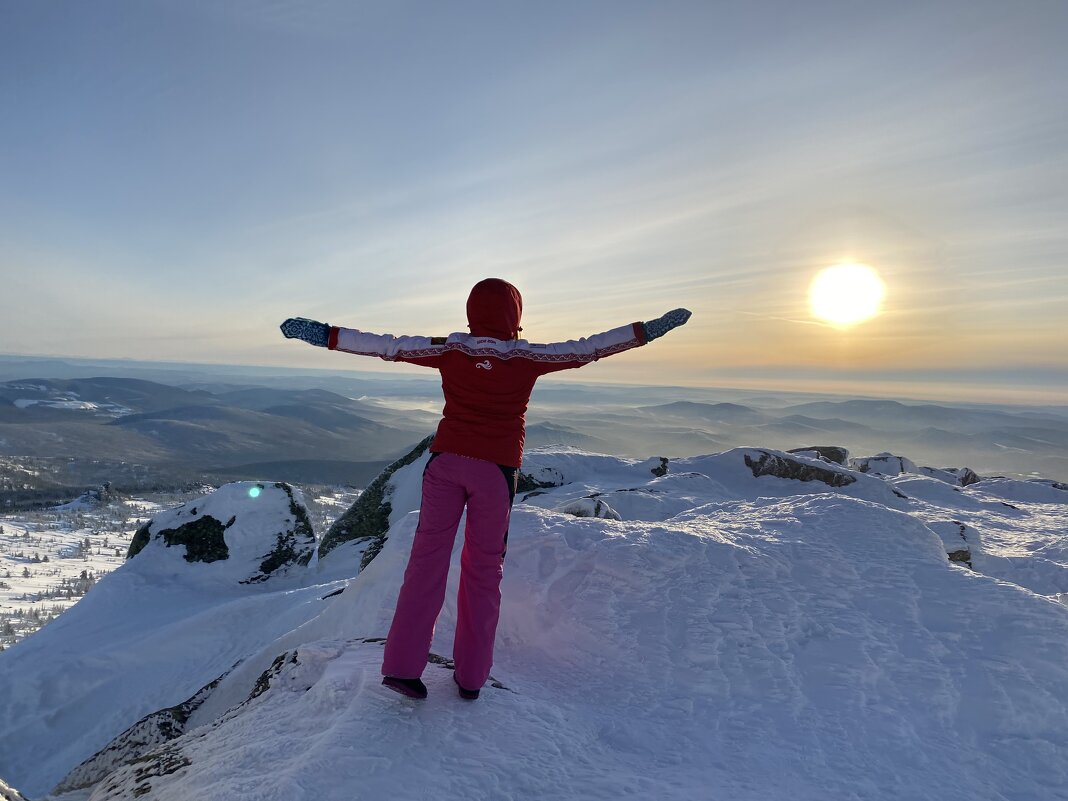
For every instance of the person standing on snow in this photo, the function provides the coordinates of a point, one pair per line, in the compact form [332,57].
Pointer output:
[487,377]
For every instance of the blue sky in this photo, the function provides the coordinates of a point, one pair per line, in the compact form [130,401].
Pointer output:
[178,177]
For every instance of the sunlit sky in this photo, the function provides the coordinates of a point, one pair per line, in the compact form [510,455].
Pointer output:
[176,178]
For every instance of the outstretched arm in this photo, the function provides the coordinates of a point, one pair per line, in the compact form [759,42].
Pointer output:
[423,351]
[580,352]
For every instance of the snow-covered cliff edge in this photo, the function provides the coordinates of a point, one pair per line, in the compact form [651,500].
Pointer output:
[755,625]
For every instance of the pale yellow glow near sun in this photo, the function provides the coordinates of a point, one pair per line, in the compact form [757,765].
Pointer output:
[846,294]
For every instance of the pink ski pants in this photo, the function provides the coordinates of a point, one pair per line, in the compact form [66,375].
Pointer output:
[451,482]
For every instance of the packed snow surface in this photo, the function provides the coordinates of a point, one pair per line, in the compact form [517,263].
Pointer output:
[731,636]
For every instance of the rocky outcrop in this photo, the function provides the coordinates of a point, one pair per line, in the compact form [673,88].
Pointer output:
[147,750]
[127,768]
[293,546]
[203,539]
[368,518]
[257,530]
[884,463]
[770,464]
[140,539]
[965,476]
[589,507]
[888,464]
[829,453]
[546,478]
[135,779]
[962,541]
[145,736]
[9,793]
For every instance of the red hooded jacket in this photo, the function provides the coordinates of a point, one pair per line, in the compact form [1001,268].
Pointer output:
[487,376]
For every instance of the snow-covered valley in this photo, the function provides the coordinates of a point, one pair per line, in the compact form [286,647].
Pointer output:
[749,624]
[49,558]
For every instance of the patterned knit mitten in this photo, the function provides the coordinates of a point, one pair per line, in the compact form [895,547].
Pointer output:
[661,325]
[311,331]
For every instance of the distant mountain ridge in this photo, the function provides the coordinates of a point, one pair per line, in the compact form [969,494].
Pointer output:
[214,422]
[171,428]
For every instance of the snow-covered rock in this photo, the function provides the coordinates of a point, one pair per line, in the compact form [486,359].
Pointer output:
[589,507]
[830,453]
[756,626]
[245,532]
[964,476]
[807,647]
[363,528]
[154,632]
[960,539]
[145,736]
[890,465]
[92,499]
[884,463]
[9,793]
[1030,491]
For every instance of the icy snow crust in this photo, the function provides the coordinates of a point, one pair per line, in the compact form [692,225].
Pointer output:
[731,637]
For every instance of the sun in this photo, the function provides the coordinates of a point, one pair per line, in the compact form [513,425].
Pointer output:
[846,294]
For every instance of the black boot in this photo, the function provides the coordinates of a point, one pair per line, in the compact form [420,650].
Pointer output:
[467,695]
[413,688]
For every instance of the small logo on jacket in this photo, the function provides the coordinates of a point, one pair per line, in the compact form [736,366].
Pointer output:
[484,365]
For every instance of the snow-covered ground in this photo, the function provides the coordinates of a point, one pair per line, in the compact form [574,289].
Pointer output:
[50,559]
[734,634]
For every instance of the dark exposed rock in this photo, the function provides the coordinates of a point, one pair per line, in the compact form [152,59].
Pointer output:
[829,453]
[956,476]
[963,555]
[961,541]
[368,518]
[770,464]
[99,496]
[263,683]
[527,483]
[203,539]
[660,471]
[140,540]
[966,476]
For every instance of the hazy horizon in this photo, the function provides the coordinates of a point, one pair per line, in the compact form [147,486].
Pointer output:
[1033,388]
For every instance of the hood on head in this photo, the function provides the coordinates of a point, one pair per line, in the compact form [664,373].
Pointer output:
[494,309]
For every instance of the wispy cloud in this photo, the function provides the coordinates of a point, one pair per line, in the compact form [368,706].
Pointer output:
[222,166]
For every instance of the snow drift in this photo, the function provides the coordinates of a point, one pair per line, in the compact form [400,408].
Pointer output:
[756,625]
